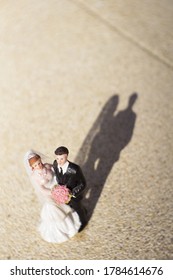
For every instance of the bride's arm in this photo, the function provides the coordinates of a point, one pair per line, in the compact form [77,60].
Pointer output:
[40,186]
[45,190]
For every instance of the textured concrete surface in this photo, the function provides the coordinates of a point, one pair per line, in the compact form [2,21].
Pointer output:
[70,72]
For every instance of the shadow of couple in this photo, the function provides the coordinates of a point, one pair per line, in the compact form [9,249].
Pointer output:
[109,135]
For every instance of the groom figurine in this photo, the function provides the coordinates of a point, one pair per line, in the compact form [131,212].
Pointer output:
[70,175]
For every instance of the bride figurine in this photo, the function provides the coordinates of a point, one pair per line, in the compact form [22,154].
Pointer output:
[58,222]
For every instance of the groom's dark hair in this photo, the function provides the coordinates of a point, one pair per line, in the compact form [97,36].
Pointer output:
[61,151]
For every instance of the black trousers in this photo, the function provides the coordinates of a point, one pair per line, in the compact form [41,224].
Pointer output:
[79,208]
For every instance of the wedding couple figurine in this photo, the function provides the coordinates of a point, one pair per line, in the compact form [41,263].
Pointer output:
[60,219]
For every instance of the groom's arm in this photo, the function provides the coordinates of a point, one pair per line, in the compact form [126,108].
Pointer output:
[81,183]
[55,168]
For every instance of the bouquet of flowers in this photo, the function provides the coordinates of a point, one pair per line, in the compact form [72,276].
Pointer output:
[61,194]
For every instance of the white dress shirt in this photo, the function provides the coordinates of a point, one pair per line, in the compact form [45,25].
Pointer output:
[64,167]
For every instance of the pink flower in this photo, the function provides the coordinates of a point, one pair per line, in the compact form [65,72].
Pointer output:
[61,194]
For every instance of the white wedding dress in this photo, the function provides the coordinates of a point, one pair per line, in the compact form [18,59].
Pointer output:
[57,223]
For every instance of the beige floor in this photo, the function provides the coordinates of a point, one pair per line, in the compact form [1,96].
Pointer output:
[68,71]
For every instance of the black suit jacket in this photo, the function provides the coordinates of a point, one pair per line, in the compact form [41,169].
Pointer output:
[73,178]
